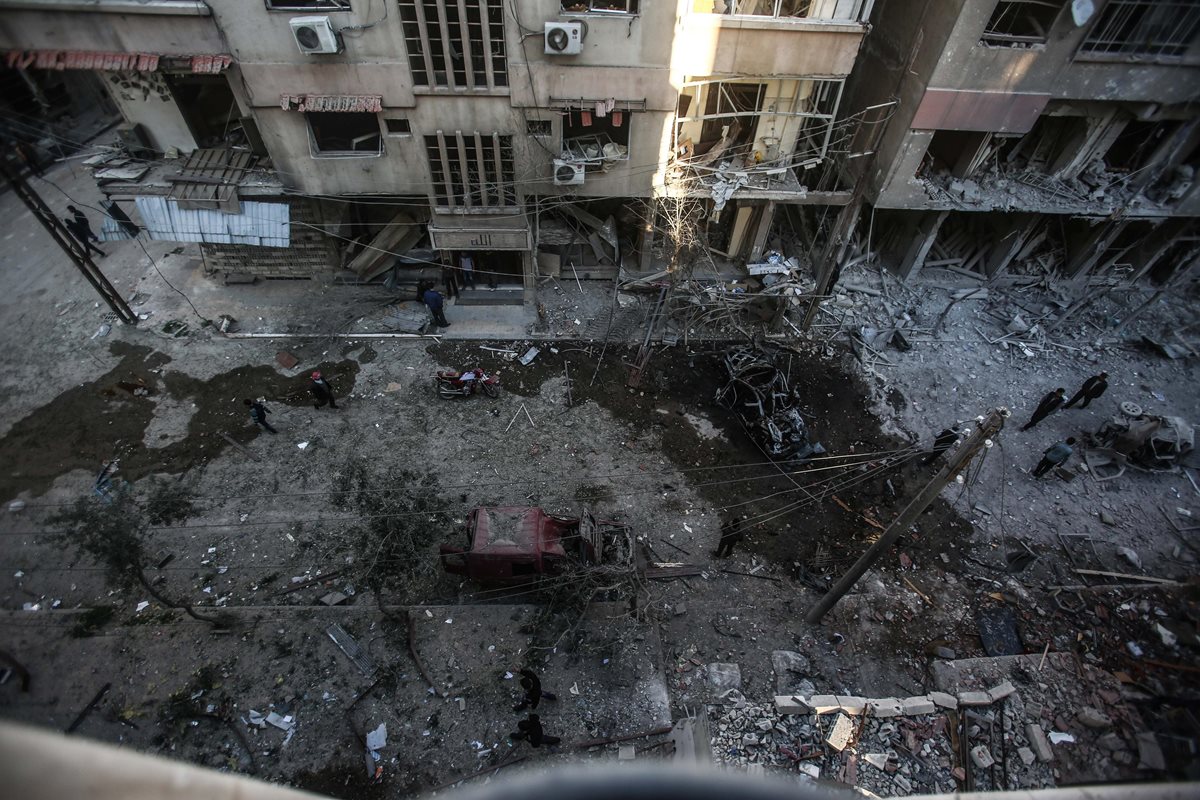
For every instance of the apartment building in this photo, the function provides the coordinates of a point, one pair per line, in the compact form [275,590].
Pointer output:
[291,137]
[1055,137]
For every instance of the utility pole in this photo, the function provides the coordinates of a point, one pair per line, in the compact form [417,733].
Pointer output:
[958,459]
[74,250]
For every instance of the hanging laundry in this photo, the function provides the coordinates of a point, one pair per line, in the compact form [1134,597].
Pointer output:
[585,119]
[600,109]
[617,118]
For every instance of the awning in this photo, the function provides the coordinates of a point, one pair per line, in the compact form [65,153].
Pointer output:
[332,102]
[259,224]
[91,59]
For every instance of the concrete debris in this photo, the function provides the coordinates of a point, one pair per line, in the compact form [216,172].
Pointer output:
[839,736]
[981,757]
[1092,718]
[1150,755]
[1039,743]
[723,677]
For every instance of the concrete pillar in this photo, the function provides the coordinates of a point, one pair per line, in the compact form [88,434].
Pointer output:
[923,237]
[764,230]
[1099,134]
[1012,231]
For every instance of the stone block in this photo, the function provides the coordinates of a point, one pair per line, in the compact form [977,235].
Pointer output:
[1001,691]
[944,700]
[913,706]
[723,677]
[981,757]
[885,707]
[854,706]
[791,671]
[903,784]
[824,704]
[1039,743]
[792,704]
[840,733]
[1091,718]
[1026,755]
[974,699]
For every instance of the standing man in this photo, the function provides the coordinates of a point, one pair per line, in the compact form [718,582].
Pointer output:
[467,264]
[1092,388]
[533,691]
[943,442]
[731,534]
[322,392]
[258,413]
[1049,404]
[434,300]
[1055,455]
[531,730]
[81,229]
[450,280]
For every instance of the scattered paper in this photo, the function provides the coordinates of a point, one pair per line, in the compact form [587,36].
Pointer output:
[142,606]
[1058,737]
[302,445]
[377,738]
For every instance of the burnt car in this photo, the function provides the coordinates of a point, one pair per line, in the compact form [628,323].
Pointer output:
[513,544]
[759,394]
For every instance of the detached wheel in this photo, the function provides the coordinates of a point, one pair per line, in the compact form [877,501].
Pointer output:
[490,390]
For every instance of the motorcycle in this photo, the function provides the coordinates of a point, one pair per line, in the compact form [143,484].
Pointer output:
[464,384]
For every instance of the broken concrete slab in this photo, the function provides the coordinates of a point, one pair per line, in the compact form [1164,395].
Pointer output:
[1092,718]
[723,677]
[981,757]
[877,760]
[824,704]
[1026,755]
[1039,743]
[1001,691]
[885,707]
[792,704]
[853,706]
[944,700]
[1150,755]
[839,735]
[974,699]
[914,706]
[791,671]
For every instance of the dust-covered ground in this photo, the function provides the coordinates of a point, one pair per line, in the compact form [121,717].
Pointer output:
[277,528]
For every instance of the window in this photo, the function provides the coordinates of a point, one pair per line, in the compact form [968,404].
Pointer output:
[345,133]
[595,140]
[539,127]
[848,10]
[308,5]
[600,7]
[397,126]
[1020,22]
[1157,29]
[455,44]
[471,170]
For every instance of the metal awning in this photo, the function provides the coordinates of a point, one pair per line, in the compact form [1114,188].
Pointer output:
[372,103]
[107,61]
[260,224]
[209,179]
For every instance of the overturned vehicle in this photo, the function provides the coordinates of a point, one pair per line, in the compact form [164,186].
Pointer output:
[767,406]
[1143,441]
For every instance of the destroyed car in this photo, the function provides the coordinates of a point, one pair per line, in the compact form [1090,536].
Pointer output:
[512,544]
[768,408]
[1142,441]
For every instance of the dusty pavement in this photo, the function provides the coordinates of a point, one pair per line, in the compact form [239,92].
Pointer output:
[273,515]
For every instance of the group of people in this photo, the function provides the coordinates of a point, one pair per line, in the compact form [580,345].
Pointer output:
[1057,454]
[318,387]
[530,729]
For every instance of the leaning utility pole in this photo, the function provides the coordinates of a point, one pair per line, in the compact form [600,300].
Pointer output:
[955,462]
[74,250]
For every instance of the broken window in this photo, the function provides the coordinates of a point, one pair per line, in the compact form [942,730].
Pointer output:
[601,7]
[1017,22]
[1163,29]
[398,126]
[471,170]
[456,44]
[1136,143]
[596,140]
[345,133]
[308,5]
[539,127]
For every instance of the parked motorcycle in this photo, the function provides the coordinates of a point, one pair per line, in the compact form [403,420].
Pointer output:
[464,384]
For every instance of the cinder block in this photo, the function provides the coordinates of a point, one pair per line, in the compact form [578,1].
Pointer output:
[912,706]
[974,699]
[824,704]
[1039,743]
[854,706]
[792,704]
[1001,691]
[944,700]
[885,707]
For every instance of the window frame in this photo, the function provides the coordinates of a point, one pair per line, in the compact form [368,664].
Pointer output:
[314,147]
[602,12]
[291,9]
[994,39]
[397,134]
[1189,49]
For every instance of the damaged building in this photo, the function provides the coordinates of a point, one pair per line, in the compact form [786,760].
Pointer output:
[1034,138]
[294,138]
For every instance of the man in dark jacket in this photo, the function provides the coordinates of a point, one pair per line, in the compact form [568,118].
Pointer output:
[322,392]
[258,413]
[531,730]
[1049,404]
[434,300]
[1055,455]
[533,691]
[81,229]
[1092,388]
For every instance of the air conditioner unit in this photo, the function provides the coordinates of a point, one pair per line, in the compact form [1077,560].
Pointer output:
[568,173]
[564,38]
[315,35]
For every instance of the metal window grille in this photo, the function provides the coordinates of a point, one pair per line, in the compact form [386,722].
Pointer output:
[455,44]
[471,170]
[1144,28]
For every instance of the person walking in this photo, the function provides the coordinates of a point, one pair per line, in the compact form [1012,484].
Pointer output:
[450,280]
[1092,388]
[322,392]
[466,264]
[1049,404]
[531,731]
[81,229]
[533,691]
[731,534]
[434,300]
[943,442]
[258,413]
[1056,455]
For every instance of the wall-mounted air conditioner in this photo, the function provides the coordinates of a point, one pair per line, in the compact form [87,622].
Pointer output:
[568,173]
[564,38]
[315,35]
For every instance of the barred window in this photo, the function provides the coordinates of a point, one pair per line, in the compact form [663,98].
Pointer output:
[456,44]
[471,170]
[1144,28]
